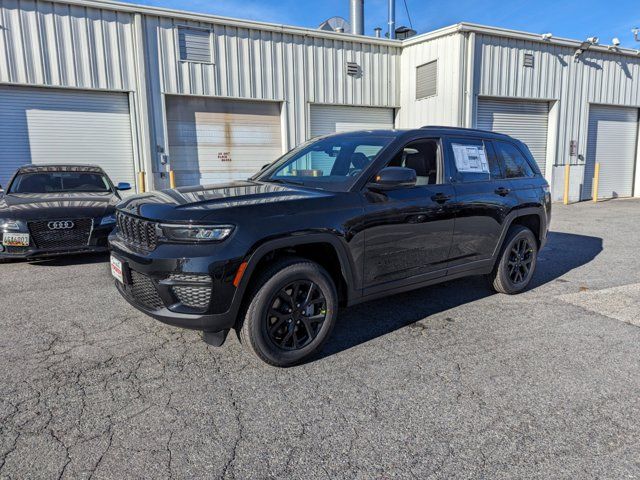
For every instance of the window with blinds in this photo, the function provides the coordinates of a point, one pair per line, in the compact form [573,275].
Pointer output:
[427,80]
[195,44]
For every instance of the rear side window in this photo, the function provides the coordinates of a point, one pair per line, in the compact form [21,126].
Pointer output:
[473,160]
[515,164]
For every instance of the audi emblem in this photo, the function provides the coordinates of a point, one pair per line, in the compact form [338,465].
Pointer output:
[61,225]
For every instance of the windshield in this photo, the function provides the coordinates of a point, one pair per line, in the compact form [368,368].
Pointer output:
[59,182]
[332,163]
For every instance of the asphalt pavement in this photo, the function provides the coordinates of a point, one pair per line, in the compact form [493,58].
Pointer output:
[451,381]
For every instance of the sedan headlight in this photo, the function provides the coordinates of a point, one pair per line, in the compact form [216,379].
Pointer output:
[9,225]
[196,233]
[108,220]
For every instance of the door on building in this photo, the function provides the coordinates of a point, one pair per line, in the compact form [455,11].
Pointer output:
[213,140]
[326,119]
[46,125]
[612,142]
[527,121]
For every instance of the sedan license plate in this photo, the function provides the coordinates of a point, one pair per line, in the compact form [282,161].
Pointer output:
[116,269]
[15,239]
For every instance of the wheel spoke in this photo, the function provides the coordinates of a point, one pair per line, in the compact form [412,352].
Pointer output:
[273,328]
[309,295]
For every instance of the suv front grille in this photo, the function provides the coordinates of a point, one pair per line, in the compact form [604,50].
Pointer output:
[144,291]
[137,232]
[46,238]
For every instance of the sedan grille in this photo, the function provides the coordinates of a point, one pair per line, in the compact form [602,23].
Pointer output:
[144,291]
[137,232]
[75,236]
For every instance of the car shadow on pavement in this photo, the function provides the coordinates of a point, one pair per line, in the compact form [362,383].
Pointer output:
[359,324]
[70,260]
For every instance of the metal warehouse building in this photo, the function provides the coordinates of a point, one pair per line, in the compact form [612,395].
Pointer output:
[141,89]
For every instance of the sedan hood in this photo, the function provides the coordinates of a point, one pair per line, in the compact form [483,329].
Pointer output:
[30,206]
[196,203]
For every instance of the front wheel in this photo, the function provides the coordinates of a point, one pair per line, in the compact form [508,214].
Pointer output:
[292,312]
[517,261]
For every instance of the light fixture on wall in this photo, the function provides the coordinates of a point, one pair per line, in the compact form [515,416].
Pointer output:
[584,46]
[636,34]
[615,44]
[547,36]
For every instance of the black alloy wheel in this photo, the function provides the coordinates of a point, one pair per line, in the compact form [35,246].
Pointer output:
[517,261]
[292,309]
[520,260]
[296,315]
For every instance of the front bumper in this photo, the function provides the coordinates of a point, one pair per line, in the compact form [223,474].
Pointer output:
[97,243]
[166,282]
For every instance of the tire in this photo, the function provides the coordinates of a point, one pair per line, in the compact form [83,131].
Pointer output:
[278,326]
[513,270]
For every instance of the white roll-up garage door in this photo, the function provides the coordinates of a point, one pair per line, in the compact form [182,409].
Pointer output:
[215,140]
[612,142]
[326,119]
[526,121]
[42,125]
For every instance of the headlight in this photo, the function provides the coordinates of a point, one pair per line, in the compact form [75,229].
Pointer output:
[197,233]
[108,219]
[9,225]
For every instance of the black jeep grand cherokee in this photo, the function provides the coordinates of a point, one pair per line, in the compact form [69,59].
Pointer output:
[339,220]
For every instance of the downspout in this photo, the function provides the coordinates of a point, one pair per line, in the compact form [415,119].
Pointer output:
[469,94]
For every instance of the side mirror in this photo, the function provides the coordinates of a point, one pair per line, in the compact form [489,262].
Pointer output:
[122,186]
[393,178]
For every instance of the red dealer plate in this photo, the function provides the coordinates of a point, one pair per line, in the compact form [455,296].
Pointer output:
[116,269]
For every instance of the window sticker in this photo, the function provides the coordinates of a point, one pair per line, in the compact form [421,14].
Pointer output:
[470,158]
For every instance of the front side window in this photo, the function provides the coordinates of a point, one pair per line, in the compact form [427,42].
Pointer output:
[422,156]
[473,161]
[332,163]
[60,182]
[515,165]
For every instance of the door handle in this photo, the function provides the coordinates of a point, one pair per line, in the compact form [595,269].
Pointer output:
[502,191]
[440,197]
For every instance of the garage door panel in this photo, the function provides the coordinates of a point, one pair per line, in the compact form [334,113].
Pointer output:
[327,119]
[39,126]
[213,140]
[526,121]
[612,141]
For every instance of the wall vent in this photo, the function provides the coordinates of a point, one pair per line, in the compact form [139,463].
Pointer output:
[195,44]
[528,60]
[353,69]
[427,80]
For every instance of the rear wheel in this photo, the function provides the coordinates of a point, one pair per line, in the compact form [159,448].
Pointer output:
[517,261]
[291,313]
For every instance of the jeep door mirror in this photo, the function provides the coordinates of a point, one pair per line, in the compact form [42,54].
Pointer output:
[393,178]
[122,186]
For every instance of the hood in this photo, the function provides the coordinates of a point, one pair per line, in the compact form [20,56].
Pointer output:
[32,206]
[196,203]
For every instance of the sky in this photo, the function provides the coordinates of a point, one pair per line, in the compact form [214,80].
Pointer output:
[569,19]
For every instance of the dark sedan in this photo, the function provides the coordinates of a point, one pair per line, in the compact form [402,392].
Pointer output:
[51,210]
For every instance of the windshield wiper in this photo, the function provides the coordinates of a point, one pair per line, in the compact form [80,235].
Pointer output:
[282,180]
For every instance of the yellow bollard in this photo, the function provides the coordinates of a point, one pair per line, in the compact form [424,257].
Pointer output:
[596,179]
[141,184]
[172,179]
[566,184]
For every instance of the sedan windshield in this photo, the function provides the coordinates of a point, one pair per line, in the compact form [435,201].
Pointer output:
[60,182]
[332,163]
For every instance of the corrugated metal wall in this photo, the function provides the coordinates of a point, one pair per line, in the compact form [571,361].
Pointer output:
[266,65]
[55,44]
[598,77]
[445,107]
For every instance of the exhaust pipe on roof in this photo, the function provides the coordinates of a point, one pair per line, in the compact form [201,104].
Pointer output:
[392,18]
[357,16]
